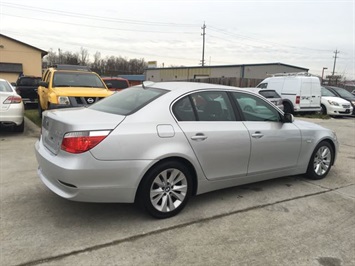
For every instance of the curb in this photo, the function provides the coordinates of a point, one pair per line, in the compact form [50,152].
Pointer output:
[31,128]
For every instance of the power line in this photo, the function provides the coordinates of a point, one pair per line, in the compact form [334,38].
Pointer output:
[93,17]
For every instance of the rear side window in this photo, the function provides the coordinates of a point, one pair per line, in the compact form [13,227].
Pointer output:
[204,106]
[129,101]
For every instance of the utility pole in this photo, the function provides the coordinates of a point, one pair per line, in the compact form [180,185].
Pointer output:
[203,45]
[335,60]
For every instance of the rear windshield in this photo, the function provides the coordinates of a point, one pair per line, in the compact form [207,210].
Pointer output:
[28,81]
[269,94]
[5,87]
[117,84]
[77,79]
[127,101]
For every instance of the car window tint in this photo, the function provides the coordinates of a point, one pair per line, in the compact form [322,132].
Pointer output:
[127,101]
[183,111]
[117,84]
[213,106]
[256,109]
[269,94]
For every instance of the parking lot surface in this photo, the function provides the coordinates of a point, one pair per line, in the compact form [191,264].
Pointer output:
[286,221]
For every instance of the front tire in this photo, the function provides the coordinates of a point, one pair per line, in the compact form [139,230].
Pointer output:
[321,161]
[324,110]
[165,189]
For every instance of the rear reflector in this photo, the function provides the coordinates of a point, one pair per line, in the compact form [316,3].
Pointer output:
[13,99]
[82,141]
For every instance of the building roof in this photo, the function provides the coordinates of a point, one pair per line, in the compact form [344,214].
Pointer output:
[133,77]
[42,51]
[224,66]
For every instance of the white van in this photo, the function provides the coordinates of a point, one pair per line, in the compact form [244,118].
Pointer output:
[300,92]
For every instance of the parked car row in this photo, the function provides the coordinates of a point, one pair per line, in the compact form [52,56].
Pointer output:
[302,92]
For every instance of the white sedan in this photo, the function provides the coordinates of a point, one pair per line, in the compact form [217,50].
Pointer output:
[333,105]
[11,107]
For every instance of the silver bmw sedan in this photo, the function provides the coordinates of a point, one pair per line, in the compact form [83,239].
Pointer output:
[158,144]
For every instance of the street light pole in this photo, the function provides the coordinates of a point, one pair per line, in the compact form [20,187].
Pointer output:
[323,73]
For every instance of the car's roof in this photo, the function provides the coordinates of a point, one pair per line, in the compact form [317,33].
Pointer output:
[186,86]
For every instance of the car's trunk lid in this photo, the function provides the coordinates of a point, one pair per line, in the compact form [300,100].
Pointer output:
[56,123]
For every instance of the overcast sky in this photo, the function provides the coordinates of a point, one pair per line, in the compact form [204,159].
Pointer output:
[299,32]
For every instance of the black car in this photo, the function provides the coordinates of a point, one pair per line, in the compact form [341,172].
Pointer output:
[26,87]
[343,93]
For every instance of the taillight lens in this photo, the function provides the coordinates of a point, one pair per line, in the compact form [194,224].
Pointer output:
[298,99]
[13,99]
[82,141]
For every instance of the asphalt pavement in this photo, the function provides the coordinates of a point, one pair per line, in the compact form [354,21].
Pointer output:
[286,221]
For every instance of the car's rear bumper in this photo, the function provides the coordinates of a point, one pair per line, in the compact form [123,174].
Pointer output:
[13,115]
[81,177]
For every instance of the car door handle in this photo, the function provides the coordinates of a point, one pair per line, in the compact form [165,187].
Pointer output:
[257,135]
[199,136]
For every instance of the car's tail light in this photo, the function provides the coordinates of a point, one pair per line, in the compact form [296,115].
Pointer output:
[298,99]
[82,141]
[13,99]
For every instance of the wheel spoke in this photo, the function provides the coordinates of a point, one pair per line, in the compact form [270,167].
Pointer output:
[171,203]
[179,196]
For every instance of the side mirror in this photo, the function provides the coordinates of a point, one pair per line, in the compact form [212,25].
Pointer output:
[43,84]
[288,118]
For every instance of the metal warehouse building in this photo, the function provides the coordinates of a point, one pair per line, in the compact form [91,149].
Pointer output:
[245,75]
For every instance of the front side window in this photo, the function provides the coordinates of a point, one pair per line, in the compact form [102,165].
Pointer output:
[262,86]
[256,109]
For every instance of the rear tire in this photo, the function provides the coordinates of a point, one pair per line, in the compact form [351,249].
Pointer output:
[321,161]
[20,128]
[165,189]
[288,109]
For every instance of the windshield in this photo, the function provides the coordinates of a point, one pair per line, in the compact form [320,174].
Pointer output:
[127,101]
[344,93]
[77,79]
[5,86]
[326,92]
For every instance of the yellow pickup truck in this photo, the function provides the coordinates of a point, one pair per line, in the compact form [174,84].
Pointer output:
[64,86]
